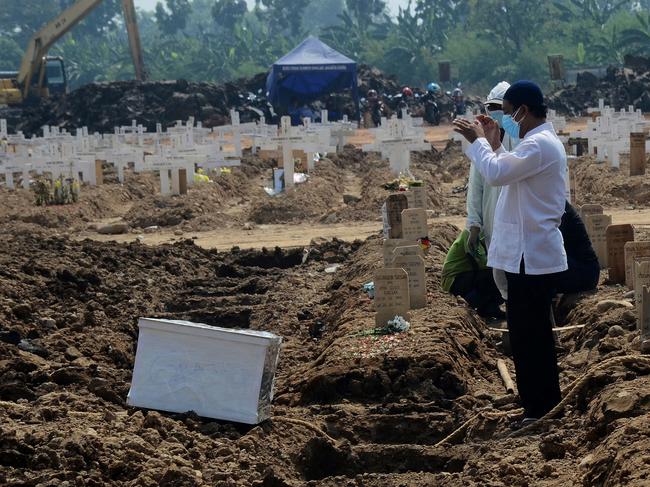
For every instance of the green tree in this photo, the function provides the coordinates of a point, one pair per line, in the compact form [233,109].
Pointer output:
[637,39]
[599,11]
[229,13]
[282,16]
[172,17]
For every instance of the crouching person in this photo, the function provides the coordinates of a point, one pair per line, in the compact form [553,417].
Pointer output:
[465,273]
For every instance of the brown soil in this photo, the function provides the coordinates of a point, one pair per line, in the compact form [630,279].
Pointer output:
[598,183]
[349,410]
[69,312]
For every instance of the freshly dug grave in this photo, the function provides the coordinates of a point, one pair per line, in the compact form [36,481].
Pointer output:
[344,187]
[350,409]
[18,209]
[598,183]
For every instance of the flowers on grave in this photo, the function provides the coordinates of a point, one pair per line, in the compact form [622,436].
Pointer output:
[64,191]
[425,244]
[201,177]
[396,324]
[369,288]
[379,341]
[403,183]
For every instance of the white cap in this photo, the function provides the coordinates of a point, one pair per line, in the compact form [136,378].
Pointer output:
[497,93]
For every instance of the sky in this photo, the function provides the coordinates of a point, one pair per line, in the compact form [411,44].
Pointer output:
[393,5]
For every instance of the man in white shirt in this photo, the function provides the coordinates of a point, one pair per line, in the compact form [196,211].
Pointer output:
[526,240]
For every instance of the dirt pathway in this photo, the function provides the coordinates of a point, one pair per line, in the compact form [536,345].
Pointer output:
[286,236]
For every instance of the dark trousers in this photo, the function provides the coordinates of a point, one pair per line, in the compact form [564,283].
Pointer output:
[531,340]
[579,277]
[479,290]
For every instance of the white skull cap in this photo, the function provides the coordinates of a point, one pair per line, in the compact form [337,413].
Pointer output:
[496,95]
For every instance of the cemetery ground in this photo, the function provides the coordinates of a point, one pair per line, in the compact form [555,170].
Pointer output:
[350,407]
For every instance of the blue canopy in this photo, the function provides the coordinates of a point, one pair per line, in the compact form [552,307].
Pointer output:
[309,71]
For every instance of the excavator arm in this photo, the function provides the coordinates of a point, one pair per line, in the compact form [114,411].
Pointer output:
[135,47]
[40,43]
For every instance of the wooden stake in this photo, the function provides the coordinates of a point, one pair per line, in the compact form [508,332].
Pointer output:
[505,376]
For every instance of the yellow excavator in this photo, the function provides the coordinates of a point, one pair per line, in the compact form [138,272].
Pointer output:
[40,74]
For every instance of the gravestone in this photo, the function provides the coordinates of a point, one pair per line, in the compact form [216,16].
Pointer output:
[586,210]
[414,224]
[388,248]
[645,313]
[632,251]
[216,372]
[573,189]
[408,250]
[99,173]
[597,230]
[414,267]
[641,280]
[617,236]
[417,197]
[637,154]
[392,215]
[391,295]
[182,180]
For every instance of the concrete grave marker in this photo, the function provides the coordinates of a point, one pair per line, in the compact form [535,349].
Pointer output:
[216,372]
[408,250]
[414,224]
[414,267]
[389,246]
[417,197]
[632,251]
[392,215]
[391,295]
[641,280]
[586,210]
[637,154]
[617,236]
[597,230]
[644,319]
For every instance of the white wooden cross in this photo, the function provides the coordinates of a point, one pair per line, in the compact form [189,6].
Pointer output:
[288,141]
[396,145]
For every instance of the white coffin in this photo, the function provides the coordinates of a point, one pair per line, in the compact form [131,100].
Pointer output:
[216,372]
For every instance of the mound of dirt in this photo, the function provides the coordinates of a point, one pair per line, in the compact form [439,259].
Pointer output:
[620,88]
[598,183]
[351,408]
[95,203]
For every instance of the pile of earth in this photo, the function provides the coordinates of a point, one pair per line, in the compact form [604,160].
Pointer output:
[344,187]
[351,408]
[599,184]
[19,212]
[103,106]
[620,88]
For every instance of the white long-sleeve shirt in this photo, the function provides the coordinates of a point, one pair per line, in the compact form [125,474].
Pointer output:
[531,203]
[482,199]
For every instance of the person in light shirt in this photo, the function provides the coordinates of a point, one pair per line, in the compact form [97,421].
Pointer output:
[526,240]
[481,197]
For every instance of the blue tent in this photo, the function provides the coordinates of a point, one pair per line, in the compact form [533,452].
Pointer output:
[309,71]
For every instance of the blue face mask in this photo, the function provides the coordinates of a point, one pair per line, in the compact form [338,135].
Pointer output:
[510,125]
[497,115]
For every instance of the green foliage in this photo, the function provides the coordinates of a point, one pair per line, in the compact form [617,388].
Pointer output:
[63,192]
[173,16]
[229,13]
[218,40]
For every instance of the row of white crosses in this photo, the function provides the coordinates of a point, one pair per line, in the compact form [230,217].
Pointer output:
[395,139]
[608,135]
[308,138]
[183,146]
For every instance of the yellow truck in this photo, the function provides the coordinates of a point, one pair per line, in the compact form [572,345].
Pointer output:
[40,74]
